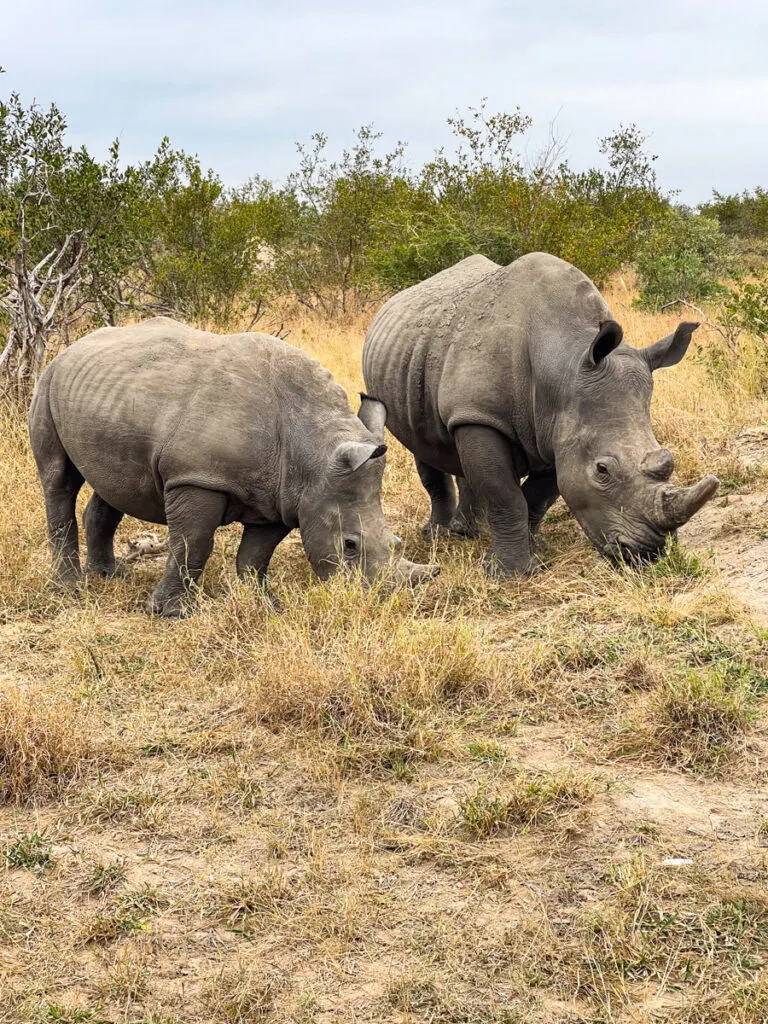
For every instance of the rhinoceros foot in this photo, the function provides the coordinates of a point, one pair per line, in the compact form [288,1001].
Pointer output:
[68,576]
[433,531]
[116,570]
[173,606]
[459,526]
[498,569]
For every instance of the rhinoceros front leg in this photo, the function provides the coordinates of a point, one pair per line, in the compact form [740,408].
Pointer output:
[256,549]
[193,514]
[541,492]
[489,468]
[442,494]
[101,521]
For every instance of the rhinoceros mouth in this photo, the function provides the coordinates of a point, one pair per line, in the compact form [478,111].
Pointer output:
[622,552]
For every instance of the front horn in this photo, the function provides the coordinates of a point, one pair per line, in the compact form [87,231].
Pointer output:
[678,504]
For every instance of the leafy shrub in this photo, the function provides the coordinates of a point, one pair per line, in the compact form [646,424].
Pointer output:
[683,256]
[744,215]
[746,308]
[320,227]
[485,199]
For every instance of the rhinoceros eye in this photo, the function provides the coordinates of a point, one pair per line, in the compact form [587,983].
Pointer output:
[602,470]
[351,547]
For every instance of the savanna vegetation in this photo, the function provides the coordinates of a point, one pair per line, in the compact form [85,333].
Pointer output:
[479,802]
[85,242]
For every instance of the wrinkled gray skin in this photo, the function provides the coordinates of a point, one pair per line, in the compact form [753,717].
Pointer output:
[196,430]
[497,375]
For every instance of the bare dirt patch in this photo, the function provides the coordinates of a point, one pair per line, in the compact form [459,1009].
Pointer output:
[734,529]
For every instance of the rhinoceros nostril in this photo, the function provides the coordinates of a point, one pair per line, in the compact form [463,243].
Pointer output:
[658,464]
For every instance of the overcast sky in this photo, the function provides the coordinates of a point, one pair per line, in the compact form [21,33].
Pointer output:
[240,81]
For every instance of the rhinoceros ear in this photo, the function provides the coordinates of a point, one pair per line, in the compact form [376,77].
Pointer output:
[373,413]
[669,350]
[351,455]
[606,340]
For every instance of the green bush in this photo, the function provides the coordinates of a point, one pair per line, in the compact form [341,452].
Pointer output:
[486,199]
[746,308]
[199,243]
[683,256]
[744,215]
[320,227]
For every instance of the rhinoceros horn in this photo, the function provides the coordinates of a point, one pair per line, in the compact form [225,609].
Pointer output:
[678,504]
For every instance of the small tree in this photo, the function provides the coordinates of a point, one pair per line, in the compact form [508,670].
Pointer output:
[200,243]
[321,227]
[459,203]
[683,257]
[41,266]
[63,243]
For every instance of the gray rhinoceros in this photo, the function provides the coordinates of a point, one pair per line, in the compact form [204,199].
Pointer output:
[196,430]
[496,375]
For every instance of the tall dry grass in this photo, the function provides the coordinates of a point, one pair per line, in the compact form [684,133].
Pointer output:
[47,741]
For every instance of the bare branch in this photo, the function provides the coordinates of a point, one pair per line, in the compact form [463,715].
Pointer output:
[683,302]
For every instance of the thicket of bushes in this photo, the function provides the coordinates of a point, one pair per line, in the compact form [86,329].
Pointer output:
[83,238]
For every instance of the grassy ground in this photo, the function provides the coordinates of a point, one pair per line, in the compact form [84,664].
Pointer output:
[479,802]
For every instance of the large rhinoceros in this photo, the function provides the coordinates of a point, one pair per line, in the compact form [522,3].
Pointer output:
[496,375]
[196,430]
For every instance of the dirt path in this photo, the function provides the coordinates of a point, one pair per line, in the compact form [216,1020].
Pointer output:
[734,530]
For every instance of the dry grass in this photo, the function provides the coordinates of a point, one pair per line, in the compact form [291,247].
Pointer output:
[364,663]
[528,803]
[46,741]
[235,996]
[697,722]
[448,804]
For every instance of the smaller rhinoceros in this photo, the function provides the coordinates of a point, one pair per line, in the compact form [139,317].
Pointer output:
[497,375]
[178,426]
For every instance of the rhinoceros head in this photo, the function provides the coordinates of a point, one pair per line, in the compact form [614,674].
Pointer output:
[340,517]
[611,471]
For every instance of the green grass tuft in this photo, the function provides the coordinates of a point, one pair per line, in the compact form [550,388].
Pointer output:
[32,852]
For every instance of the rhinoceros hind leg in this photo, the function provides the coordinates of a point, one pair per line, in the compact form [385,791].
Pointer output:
[101,521]
[193,514]
[61,482]
[488,465]
[465,520]
[442,493]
